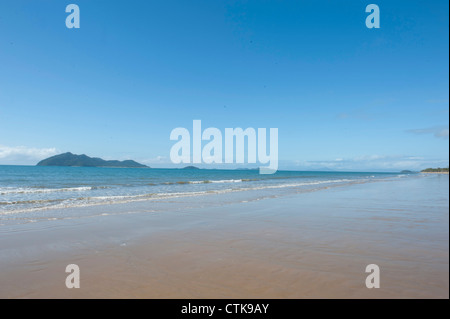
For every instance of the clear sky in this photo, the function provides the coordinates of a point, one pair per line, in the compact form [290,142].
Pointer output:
[342,96]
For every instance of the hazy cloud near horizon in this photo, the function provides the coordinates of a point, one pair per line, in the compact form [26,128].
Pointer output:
[437,131]
[374,163]
[22,155]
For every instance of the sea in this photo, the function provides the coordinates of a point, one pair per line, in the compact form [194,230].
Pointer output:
[28,189]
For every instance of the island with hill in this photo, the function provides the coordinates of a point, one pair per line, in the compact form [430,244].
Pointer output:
[435,170]
[69,159]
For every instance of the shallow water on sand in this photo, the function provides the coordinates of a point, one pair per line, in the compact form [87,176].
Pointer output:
[299,245]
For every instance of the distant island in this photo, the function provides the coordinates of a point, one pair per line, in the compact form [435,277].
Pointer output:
[69,159]
[435,170]
[191,167]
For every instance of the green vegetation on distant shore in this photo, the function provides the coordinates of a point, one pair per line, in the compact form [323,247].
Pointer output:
[69,159]
[435,170]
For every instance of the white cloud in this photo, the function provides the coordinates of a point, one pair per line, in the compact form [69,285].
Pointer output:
[437,131]
[442,133]
[22,155]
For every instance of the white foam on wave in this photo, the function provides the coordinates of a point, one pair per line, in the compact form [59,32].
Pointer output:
[228,181]
[122,199]
[19,190]
[220,181]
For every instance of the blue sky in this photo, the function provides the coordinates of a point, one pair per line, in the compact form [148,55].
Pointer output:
[343,96]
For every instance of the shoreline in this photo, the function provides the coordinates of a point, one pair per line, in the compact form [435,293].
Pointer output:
[308,245]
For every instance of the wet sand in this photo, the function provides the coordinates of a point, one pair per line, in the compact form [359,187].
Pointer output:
[310,245]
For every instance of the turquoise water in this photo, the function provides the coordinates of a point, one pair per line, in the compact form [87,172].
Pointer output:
[36,188]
